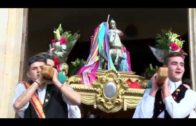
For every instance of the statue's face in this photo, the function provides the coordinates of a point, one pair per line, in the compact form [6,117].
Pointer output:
[112,24]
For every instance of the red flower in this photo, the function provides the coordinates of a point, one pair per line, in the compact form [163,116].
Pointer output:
[57,63]
[63,40]
[133,84]
[173,46]
[53,40]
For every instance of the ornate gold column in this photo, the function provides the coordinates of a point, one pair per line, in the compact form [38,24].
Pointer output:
[12,45]
[192,44]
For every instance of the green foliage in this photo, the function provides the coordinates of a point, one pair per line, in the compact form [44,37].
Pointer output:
[59,32]
[75,66]
[150,71]
[164,39]
[64,42]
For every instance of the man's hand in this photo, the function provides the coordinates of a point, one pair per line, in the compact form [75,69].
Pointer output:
[165,84]
[165,88]
[154,85]
[55,75]
[68,93]
[39,80]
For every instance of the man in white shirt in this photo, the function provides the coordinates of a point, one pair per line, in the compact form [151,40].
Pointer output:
[37,98]
[168,105]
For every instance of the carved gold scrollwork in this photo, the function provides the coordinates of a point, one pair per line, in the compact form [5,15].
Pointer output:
[110,92]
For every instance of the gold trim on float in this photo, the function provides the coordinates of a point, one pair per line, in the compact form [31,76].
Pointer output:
[124,97]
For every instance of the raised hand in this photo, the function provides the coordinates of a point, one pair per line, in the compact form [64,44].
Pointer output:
[154,85]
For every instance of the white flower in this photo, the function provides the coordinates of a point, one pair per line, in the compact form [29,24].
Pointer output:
[59,54]
[63,47]
[57,45]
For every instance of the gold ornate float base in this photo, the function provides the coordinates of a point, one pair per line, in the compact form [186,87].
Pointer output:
[110,92]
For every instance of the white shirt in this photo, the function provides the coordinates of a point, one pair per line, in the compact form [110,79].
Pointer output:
[73,110]
[176,110]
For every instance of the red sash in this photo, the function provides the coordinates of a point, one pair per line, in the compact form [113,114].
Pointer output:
[35,101]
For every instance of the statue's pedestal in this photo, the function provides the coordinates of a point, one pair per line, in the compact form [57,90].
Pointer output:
[110,93]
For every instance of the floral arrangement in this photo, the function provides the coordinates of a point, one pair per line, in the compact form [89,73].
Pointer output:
[60,47]
[166,43]
[169,41]
[63,43]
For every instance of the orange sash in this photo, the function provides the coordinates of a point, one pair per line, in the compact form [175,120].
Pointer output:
[35,101]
